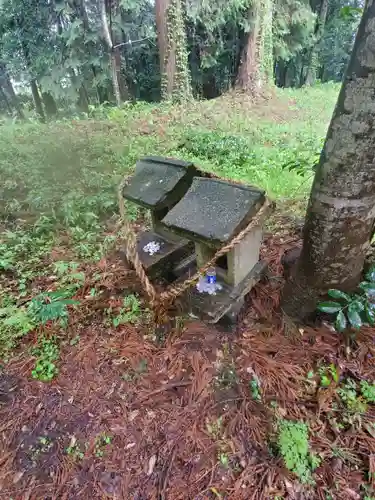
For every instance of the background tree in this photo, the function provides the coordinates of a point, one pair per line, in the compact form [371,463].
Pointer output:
[59,50]
[338,37]
[256,65]
[293,33]
[8,94]
[319,31]
[340,215]
[175,72]
[112,50]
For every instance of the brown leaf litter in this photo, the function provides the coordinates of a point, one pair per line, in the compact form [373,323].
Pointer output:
[175,431]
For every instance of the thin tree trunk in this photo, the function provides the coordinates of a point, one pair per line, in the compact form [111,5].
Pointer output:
[112,55]
[120,63]
[84,100]
[37,100]
[341,210]
[33,83]
[161,7]
[313,56]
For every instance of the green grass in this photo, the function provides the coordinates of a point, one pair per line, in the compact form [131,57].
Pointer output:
[70,169]
[59,180]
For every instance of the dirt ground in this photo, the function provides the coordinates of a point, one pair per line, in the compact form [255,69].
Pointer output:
[129,419]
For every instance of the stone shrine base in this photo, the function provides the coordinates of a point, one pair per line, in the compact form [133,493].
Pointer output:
[227,302]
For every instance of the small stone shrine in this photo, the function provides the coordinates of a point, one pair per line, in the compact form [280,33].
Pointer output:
[158,184]
[193,215]
[211,213]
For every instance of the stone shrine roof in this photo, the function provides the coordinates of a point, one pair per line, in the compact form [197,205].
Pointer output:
[159,182]
[213,211]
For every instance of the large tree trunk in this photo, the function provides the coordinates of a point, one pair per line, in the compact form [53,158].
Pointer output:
[248,77]
[37,100]
[341,210]
[313,56]
[174,64]
[256,65]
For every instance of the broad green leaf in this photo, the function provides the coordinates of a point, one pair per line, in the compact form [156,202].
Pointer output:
[354,318]
[358,305]
[341,322]
[329,307]
[338,294]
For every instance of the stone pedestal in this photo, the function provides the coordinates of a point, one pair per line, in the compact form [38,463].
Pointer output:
[227,303]
[234,266]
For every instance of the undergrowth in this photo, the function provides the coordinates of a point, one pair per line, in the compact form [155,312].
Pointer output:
[293,446]
[46,354]
[351,311]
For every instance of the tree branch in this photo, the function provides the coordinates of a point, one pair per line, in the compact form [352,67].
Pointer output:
[130,42]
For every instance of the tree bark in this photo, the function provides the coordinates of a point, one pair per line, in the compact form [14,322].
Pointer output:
[256,65]
[37,100]
[341,210]
[248,77]
[115,71]
[313,56]
[161,7]
[119,61]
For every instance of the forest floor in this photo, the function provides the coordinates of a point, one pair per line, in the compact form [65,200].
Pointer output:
[91,404]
